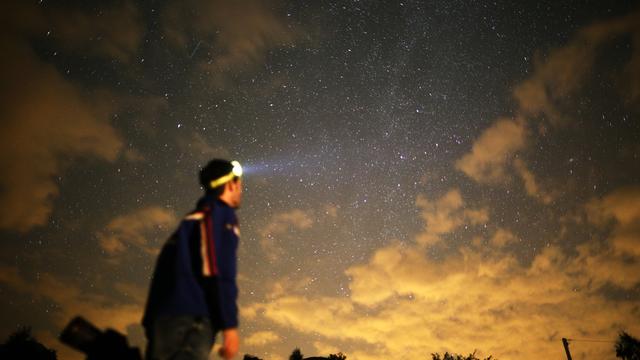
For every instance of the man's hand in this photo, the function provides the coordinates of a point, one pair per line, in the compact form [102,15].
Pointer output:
[230,343]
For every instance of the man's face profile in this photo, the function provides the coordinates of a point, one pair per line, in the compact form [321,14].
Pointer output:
[233,193]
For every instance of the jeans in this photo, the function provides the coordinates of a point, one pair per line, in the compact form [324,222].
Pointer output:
[179,338]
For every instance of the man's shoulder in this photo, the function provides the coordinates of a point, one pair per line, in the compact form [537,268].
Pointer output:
[190,222]
[194,216]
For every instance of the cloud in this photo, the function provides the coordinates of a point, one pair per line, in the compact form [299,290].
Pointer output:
[234,35]
[557,78]
[48,121]
[464,303]
[331,210]
[566,69]
[560,75]
[114,32]
[201,150]
[44,128]
[11,277]
[631,73]
[502,237]
[72,300]
[406,304]
[622,207]
[445,215]
[324,348]
[272,235]
[289,284]
[135,230]
[261,338]
[530,183]
[492,152]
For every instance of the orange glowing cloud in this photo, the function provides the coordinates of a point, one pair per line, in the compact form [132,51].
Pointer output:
[446,215]
[261,338]
[623,209]
[492,152]
[530,184]
[405,304]
[278,227]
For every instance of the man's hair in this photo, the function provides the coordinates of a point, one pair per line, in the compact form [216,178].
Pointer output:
[215,169]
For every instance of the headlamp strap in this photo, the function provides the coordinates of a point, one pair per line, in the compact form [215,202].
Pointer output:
[236,171]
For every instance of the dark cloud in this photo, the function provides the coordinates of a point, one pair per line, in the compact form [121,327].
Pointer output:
[48,120]
[113,32]
[235,36]
[72,300]
[556,79]
[47,123]
[566,69]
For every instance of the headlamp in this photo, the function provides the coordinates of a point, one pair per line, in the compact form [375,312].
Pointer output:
[236,171]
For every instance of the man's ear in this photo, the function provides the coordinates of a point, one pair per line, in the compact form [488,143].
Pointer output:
[228,187]
[232,185]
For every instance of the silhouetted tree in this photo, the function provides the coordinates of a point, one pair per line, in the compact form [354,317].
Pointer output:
[627,347]
[296,355]
[338,356]
[250,357]
[448,356]
[21,345]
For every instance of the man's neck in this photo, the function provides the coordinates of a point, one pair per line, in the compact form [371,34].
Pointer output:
[226,201]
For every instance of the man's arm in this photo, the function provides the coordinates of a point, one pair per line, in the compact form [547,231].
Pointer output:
[226,241]
[226,245]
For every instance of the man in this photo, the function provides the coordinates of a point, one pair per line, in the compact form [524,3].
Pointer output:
[193,291]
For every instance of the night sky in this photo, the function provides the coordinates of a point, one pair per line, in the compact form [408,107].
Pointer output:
[420,176]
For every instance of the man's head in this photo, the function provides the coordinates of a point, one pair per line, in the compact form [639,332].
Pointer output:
[222,179]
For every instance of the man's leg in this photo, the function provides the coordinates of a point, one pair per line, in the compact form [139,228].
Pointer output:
[180,338]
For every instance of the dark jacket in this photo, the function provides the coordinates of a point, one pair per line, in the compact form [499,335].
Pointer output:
[195,273]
